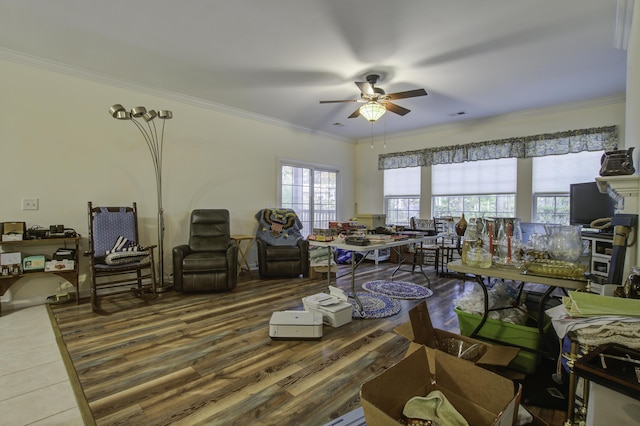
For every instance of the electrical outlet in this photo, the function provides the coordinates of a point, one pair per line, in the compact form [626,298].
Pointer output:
[30,204]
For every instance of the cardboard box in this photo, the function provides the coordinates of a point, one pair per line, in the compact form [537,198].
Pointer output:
[339,227]
[480,396]
[320,272]
[371,221]
[13,231]
[59,265]
[324,235]
[335,309]
[14,258]
[421,332]
[33,263]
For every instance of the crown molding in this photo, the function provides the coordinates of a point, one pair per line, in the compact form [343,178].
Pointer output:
[545,110]
[96,77]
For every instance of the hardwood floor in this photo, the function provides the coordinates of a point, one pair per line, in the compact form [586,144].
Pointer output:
[208,359]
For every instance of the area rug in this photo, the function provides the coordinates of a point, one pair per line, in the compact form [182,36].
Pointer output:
[397,289]
[374,306]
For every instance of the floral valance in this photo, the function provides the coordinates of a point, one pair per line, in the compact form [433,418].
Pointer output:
[571,141]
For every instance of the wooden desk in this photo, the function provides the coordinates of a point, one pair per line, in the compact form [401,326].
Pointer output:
[243,252]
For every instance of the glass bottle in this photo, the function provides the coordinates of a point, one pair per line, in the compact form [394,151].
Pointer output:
[508,241]
[482,251]
[470,239]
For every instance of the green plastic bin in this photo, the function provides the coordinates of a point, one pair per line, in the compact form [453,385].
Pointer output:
[516,335]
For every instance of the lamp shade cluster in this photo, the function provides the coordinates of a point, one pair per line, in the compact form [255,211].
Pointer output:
[119,112]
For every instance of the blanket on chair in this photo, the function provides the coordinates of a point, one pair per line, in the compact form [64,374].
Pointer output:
[280,227]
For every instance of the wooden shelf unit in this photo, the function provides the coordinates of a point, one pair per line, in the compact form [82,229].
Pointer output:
[71,275]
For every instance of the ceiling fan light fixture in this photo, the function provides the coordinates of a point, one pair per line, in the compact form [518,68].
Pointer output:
[372,111]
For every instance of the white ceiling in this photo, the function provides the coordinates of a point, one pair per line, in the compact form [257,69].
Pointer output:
[278,58]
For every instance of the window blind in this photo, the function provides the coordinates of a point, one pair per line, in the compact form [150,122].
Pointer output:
[554,173]
[404,181]
[475,177]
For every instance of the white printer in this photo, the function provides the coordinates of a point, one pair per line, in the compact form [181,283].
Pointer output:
[295,325]
[334,307]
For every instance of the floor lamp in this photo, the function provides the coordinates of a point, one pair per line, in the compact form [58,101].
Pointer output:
[138,116]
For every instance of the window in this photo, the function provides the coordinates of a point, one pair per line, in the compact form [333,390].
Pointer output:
[551,208]
[479,205]
[310,190]
[400,210]
[401,195]
[551,177]
[476,188]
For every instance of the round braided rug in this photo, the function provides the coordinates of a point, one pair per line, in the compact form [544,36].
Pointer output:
[397,289]
[375,306]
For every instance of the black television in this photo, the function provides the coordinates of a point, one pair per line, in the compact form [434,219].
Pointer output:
[587,203]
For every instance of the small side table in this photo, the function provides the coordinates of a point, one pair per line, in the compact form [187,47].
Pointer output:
[242,252]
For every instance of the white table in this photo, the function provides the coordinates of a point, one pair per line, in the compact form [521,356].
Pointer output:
[393,244]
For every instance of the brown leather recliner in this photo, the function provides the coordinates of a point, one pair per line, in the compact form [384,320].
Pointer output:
[282,251]
[209,261]
[283,261]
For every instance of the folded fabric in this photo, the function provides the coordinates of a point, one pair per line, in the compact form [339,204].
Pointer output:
[125,257]
[436,407]
[583,304]
[622,333]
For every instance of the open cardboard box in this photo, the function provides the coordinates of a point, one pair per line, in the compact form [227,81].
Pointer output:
[421,332]
[479,395]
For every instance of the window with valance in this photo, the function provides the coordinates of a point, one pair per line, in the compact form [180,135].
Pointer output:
[571,141]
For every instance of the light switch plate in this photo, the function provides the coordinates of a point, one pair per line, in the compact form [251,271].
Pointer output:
[30,204]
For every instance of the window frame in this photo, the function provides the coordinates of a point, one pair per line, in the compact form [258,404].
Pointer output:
[409,211]
[310,223]
[555,196]
[476,213]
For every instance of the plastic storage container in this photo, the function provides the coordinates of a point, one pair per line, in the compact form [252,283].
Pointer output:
[518,335]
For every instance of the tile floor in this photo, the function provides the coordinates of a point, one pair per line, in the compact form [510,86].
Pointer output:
[34,386]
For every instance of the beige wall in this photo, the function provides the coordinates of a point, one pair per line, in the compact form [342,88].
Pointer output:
[60,145]
[369,180]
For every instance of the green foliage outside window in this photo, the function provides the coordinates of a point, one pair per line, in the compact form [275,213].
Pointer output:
[499,205]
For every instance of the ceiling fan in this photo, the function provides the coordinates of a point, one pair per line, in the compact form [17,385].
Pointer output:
[375,96]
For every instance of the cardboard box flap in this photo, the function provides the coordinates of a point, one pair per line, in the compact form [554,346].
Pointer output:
[405,331]
[481,386]
[421,331]
[499,356]
[473,413]
[392,395]
[421,326]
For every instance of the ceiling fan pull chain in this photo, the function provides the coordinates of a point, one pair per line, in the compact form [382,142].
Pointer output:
[372,135]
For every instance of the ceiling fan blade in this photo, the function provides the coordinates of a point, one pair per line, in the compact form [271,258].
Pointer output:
[407,94]
[365,87]
[345,100]
[396,108]
[355,114]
